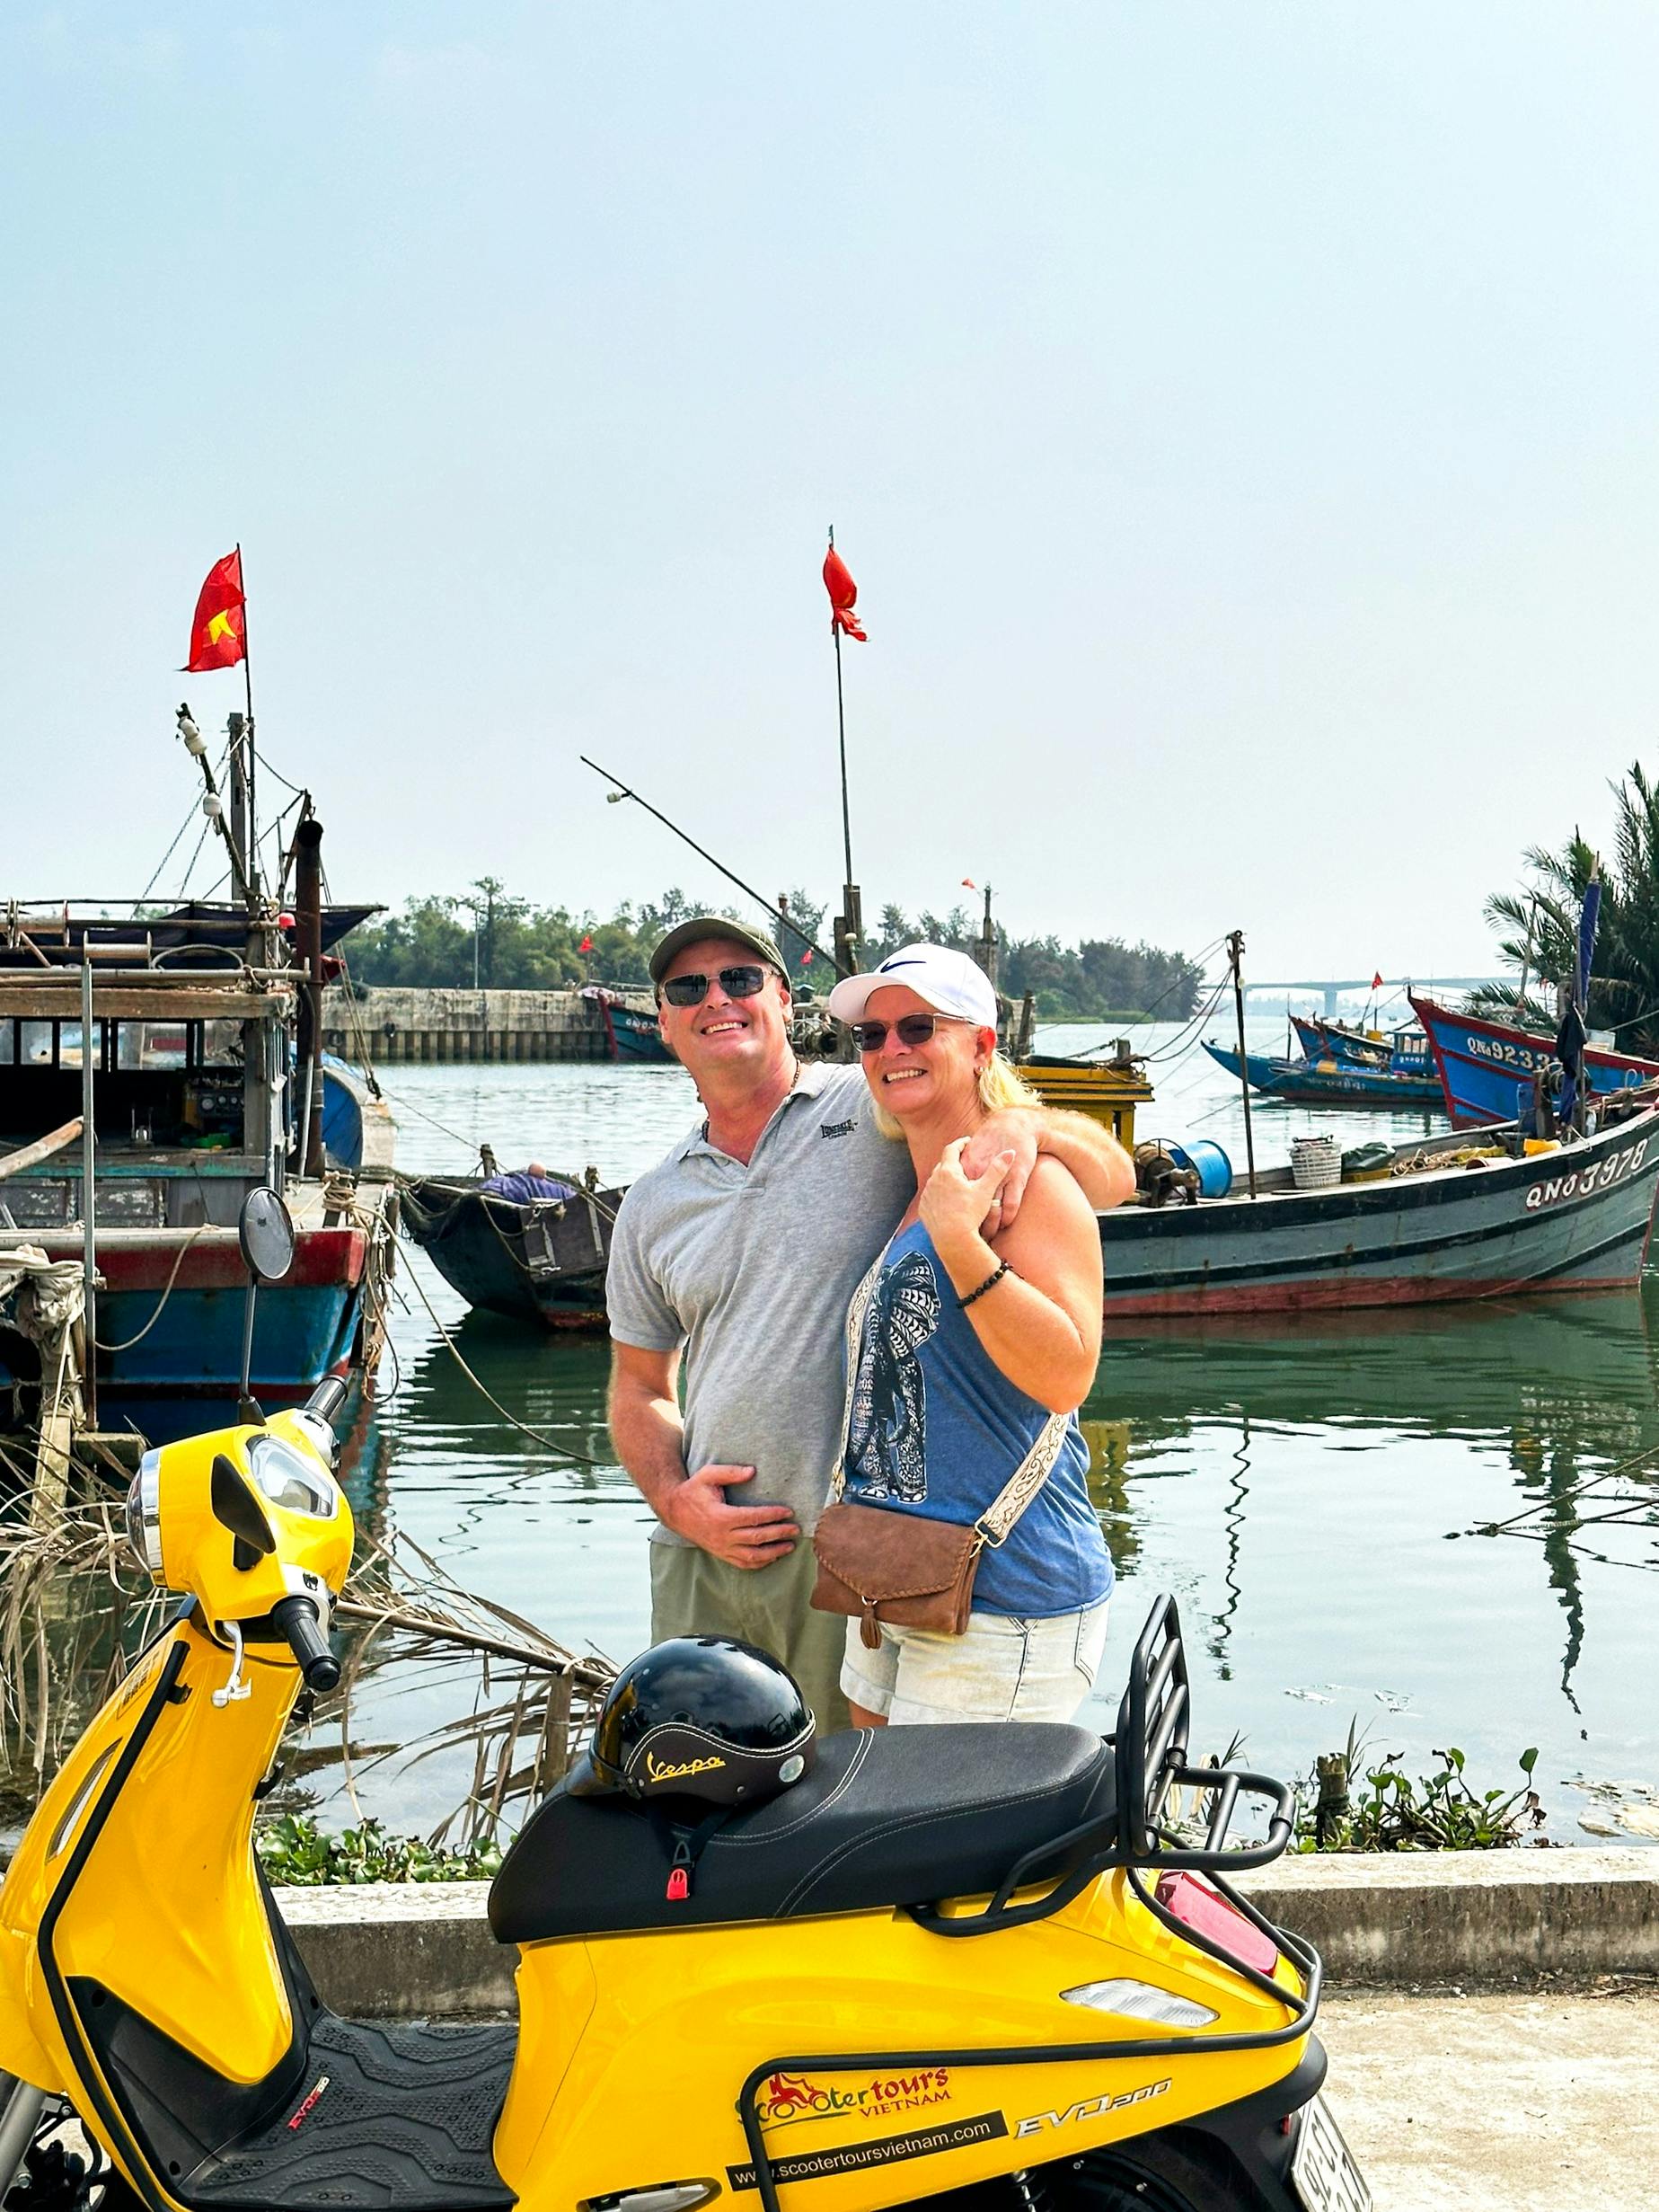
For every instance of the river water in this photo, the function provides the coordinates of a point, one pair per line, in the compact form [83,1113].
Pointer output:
[1294,1484]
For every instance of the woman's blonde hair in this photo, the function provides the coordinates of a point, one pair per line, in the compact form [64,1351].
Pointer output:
[999,1084]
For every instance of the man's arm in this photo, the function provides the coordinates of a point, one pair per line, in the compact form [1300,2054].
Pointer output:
[1093,1157]
[650,1436]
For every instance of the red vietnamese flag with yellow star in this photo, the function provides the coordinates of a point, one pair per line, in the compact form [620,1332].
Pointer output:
[218,635]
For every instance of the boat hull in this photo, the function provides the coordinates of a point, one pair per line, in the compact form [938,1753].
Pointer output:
[170,1317]
[1328,1084]
[543,1262]
[1573,1219]
[1484,1065]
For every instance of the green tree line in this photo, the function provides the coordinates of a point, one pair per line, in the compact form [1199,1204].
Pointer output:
[489,936]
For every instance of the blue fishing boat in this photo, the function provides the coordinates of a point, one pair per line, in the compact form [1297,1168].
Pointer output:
[1327,1083]
[631,1032]
[1402,1052]
[1486,1067]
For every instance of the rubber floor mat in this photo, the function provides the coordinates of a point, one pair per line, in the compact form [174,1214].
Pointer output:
[394,2115]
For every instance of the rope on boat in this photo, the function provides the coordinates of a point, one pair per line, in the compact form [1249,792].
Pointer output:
[128,1343]
[535,1434]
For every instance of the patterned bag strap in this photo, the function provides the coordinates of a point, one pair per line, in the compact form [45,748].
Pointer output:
[858,1305]
[997,1520]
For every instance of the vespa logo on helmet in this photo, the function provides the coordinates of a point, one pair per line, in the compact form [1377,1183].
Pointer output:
[659,1770]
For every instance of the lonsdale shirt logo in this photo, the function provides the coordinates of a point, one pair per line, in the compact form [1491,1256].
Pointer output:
[836,1128]
[657,1771]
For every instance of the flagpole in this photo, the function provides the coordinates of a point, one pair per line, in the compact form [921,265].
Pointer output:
[849,922]
[247,685]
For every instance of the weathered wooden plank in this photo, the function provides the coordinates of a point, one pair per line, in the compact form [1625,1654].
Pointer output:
[43,1147]
[29,998]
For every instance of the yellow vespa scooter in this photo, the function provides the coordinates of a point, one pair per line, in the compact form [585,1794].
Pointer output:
[963,1965]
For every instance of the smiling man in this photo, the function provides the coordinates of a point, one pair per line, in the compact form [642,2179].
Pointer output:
[738,1254]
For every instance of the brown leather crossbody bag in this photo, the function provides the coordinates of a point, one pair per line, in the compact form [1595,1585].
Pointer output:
[908,1569]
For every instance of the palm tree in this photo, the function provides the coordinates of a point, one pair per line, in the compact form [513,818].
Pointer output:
[1542,925]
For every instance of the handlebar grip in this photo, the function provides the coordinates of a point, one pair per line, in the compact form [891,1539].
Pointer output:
[328,1397]
[297,1617]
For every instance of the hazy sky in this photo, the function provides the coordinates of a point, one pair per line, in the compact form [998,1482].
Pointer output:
[1241,422]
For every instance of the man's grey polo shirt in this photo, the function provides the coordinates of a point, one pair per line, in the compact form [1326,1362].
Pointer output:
[751,1270]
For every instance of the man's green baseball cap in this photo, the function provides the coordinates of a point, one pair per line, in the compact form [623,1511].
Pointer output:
[700,928]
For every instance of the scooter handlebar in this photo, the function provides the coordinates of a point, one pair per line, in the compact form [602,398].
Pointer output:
[328,1397]
[297,1617]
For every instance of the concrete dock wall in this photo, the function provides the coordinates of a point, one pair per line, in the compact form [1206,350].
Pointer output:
[442,1025]
[1475,1918]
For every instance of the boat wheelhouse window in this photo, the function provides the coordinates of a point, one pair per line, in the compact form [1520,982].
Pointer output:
[36,1045]
[150,1044]
[8,1044]
[219,1044]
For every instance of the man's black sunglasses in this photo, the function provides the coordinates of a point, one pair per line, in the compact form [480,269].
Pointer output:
[913,1029]
[735,982]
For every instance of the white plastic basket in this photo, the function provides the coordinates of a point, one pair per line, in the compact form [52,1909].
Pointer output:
[1316,1161]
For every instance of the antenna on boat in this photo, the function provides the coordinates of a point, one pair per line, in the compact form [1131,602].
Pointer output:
[1235,958]
[777,910]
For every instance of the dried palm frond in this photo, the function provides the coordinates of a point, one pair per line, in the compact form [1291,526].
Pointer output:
[75,1609]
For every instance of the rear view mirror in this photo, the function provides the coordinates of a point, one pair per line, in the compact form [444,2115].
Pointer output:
[266,1230]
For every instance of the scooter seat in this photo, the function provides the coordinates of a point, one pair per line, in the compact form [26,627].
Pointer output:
[888,1817]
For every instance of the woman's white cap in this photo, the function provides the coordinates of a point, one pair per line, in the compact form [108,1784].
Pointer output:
[949,981]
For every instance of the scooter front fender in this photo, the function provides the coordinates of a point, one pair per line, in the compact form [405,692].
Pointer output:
[22,2052]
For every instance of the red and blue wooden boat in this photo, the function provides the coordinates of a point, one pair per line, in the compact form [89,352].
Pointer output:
[1486,1068]
[195,1101]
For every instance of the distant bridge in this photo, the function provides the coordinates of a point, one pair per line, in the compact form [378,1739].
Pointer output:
[1334,987]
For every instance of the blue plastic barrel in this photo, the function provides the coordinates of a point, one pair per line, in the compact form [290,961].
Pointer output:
[1215,1168]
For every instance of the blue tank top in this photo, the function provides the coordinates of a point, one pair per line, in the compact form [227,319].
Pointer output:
[935,1427]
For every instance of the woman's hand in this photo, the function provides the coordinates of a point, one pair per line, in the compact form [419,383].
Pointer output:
[954,1203]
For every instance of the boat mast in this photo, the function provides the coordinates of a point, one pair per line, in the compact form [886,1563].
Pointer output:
[1235,957]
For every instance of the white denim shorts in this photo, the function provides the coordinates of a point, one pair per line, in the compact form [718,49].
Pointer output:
[1002,1668]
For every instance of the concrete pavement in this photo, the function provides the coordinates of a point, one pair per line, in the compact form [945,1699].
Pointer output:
[1500,2103]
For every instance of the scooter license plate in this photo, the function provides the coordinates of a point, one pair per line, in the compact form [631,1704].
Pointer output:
[1323,2173]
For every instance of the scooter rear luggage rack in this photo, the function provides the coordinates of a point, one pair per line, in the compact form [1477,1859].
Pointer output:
[1149,1746]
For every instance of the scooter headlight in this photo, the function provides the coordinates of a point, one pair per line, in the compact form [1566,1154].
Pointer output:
[291,1481]
[144,1515]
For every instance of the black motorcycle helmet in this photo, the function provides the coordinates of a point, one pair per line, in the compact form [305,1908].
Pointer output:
[699,1717]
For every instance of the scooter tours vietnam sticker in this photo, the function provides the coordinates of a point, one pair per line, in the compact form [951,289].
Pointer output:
[883,2151]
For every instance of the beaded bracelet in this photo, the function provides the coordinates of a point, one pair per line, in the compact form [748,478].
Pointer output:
[990,1283]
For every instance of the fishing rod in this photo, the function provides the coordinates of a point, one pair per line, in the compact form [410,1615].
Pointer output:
[778,909]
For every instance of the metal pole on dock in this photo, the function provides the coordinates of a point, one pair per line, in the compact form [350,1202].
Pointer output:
[1235,957]
[89,1200]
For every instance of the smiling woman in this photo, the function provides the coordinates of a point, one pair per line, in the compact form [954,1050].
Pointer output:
[961,1534]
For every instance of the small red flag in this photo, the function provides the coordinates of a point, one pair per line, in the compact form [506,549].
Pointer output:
[1376,983]
[586,945]
[805,957]
[218,638]
[843,595]
[968,884]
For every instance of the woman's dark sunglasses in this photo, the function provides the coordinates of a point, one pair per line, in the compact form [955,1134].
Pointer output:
[913,1029]
[692,990]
